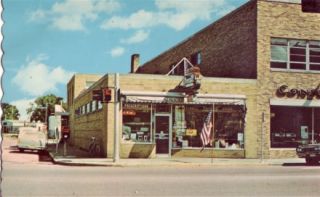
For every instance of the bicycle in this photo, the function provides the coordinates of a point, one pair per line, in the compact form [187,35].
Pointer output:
[94,148]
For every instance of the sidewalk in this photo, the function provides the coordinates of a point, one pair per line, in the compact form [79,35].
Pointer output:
[77,157]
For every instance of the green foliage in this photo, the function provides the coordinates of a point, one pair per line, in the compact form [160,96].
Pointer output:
[43,105]
[10,112]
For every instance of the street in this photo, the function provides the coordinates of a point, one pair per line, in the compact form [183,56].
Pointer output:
[27,174]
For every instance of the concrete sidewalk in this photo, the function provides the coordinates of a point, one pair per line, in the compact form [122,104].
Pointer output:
[77,157]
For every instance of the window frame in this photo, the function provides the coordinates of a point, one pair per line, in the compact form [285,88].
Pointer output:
[289,62]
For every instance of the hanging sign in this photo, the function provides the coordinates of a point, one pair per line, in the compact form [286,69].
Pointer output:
[284,91]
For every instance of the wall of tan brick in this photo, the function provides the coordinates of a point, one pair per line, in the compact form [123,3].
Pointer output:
[283,20]
[228,47]
[83,127]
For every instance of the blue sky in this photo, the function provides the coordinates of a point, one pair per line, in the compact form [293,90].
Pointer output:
[45,41]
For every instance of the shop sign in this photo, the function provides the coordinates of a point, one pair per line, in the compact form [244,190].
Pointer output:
[173,100]
[128,112]
[191,132]
[135,106]
[284,91]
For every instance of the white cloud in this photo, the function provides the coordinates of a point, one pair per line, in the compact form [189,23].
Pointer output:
[138,37]
[37,15]
[37,78]
[73,14]
[117,51]
[176,14]
[22,105]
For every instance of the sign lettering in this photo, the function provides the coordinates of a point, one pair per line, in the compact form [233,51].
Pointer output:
[284,91]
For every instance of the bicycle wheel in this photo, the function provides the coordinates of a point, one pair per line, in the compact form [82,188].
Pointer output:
[91,149]
[97,150]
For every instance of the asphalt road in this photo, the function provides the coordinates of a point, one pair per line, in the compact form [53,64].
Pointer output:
[27,174]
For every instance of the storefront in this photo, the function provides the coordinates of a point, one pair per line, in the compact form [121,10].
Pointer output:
[169,123]
[294,122]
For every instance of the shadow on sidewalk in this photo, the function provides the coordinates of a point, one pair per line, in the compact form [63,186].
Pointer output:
[68,151]
[299,164]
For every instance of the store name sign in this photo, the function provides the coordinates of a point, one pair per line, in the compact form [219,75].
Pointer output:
[284,91]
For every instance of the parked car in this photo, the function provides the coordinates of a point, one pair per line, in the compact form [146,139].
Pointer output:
[310,152]
[30,138]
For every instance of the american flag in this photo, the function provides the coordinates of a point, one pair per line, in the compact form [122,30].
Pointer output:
[206,131]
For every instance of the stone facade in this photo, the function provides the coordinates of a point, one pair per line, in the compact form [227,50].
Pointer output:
[281,20]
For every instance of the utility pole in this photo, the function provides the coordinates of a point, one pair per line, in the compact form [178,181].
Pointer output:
[116,102]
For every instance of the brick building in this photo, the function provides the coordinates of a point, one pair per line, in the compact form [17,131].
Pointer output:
[259,87]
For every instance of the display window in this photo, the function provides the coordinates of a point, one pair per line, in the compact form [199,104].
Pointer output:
[136,122]
[229,126]
[187,125]
[227,130]
[292,126]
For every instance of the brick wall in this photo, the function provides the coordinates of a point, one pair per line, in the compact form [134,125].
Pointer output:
[228,47]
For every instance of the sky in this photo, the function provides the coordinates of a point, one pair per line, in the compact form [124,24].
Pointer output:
[45,42]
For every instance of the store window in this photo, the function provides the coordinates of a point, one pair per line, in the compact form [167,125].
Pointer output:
[187,125]
[229,126]
[293,54]
[136,119]
[292,126]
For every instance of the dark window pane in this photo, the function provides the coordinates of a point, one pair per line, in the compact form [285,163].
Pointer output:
[278,65]
[314,51]
[279,41]
[297,66]
[314,44]
[297,58]
[301,51]
[315,59]
[315,67]
[279,53]
[290,126]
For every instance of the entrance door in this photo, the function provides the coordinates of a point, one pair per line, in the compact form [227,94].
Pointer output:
[162,128]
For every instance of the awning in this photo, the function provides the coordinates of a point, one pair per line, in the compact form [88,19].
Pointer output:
[180,98]
[295,102]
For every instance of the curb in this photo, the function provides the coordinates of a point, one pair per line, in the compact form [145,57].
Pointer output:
[68,162]
[172,163]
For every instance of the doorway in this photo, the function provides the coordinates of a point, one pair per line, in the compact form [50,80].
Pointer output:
[163,133]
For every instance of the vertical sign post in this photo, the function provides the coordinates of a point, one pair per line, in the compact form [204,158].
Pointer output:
[262,128]
[116,147]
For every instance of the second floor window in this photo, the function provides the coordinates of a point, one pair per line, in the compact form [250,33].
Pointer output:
[196,58]
[292,54]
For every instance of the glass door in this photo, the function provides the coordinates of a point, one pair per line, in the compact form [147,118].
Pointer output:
[162,133]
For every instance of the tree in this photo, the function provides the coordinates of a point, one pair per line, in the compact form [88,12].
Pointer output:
[43,106]
[10,112]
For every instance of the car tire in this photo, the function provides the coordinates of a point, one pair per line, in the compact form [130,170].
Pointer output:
[311,161]
[21,150]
